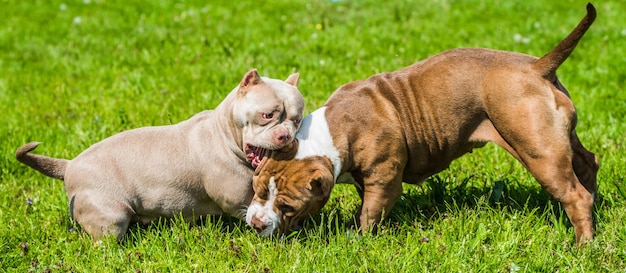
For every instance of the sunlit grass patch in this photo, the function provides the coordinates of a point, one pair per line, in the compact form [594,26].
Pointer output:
[75,72]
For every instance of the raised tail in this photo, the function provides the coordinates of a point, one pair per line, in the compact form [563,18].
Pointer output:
[53,167]
[548,64]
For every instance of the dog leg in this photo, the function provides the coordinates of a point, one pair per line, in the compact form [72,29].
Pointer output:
[556,175]
[102,218]
[543,143]
[380,192]
[585,165]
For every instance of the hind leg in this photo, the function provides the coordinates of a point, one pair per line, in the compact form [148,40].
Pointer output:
[100,217]
[542,137]
[585,165]
[556,175]
[554,170]
[566,173]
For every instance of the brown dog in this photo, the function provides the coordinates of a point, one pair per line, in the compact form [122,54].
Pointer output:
[410,124]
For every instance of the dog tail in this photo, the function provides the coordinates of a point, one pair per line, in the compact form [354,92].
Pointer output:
[548,64]
[53,167]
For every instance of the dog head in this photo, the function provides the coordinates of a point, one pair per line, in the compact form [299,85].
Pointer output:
[269,111]
[288,190]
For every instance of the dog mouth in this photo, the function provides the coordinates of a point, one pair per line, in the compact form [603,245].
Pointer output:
[254,154]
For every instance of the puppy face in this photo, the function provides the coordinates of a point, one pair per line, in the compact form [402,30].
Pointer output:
[269,112]
[288,190]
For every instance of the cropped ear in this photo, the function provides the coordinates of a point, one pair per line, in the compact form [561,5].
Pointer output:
[293,79]
[251,78]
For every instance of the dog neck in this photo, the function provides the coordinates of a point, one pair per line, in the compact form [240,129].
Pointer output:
[225,122]
[315,140]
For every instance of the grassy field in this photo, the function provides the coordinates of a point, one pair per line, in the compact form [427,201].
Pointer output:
[75,72]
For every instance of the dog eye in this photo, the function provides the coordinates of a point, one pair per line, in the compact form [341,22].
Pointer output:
[286,209]
[262,194]
[267,115]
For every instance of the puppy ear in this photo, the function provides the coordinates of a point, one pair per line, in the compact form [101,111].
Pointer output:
[293,79]
[260,183]
[321,184]
[251,78]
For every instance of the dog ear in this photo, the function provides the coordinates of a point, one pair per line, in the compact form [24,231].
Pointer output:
[322,183]
[251,78]
[293,79]
[319,187]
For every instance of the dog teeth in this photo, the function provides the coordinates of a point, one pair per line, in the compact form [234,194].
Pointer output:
[259,152]
[255,154]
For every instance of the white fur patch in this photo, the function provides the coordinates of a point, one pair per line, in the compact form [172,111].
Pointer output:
[286,99]
[289,94]
[265,212]
[272,192]
[315,140]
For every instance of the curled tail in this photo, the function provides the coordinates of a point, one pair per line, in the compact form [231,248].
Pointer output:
[548,64]
[49,166]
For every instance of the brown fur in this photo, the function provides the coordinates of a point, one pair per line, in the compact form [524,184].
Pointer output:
[407,125]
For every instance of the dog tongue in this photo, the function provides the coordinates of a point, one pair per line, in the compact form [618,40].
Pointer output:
[257,156]
[249,155]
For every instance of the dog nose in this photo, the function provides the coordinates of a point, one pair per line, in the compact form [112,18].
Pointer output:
[259,230]
[283,138]
[257,224]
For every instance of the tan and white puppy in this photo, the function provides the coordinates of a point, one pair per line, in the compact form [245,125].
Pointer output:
[407,125]
[201,166]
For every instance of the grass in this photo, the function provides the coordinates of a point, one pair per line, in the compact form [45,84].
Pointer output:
[75,72]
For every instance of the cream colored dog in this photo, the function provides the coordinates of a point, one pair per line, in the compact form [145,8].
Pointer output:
[407,125]
[201,166]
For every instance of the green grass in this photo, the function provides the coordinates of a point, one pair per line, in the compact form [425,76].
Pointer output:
[75,72]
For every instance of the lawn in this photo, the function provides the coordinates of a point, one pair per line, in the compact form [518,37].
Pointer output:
[75,72]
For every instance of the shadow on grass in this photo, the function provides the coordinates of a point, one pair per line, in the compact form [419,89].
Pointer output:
[422,205]
[178,227]
[438,197]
